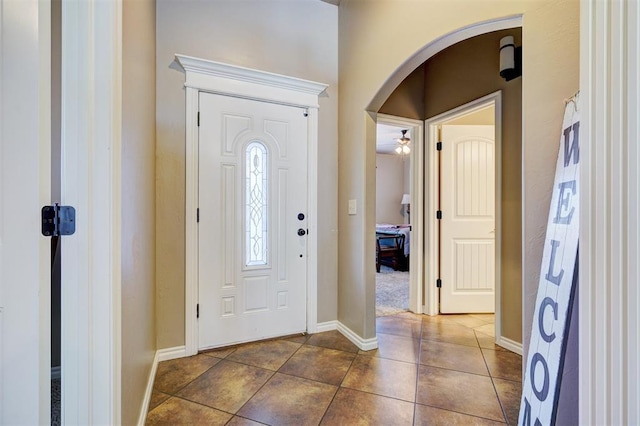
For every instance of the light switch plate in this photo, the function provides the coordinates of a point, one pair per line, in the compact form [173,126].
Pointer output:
[353,209]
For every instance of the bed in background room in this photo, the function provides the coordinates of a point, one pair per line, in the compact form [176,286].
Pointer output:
[392,246]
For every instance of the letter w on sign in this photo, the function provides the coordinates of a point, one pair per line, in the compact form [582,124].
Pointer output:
[558,279]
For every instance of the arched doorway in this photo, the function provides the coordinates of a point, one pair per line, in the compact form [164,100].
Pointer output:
[421,211]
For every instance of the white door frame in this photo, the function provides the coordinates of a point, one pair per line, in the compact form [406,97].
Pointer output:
[430,170]
[91,145]
[231,80]
[416,192]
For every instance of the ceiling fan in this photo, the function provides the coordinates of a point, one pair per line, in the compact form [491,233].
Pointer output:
[403,144]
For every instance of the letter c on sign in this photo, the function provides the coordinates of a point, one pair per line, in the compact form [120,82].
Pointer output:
[540,394]
[547,301]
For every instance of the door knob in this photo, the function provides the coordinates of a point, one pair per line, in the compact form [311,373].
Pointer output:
[301,232]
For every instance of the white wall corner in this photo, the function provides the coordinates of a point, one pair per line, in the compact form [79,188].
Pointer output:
[362,344]
[146,400]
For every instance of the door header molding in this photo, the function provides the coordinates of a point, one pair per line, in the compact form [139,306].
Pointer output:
[234,80]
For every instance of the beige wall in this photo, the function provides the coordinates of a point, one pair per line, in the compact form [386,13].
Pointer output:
[370,53]
[138,203]
[299,39]
[407,100]
[466,71]
[551,74]
[390,177]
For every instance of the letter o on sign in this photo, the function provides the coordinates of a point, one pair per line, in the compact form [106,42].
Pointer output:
[539,359]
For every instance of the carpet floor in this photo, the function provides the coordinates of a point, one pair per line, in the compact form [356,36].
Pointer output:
[392,291]
[55,402]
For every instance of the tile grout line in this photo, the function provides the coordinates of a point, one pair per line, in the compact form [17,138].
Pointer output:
[338,389]
[188,383]
[418,363]
[486,366]
[268,380]
[495,389]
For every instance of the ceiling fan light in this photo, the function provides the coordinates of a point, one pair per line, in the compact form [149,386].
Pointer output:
[399,150]
[406,149]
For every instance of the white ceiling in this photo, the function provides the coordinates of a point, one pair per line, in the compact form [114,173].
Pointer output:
[386,138]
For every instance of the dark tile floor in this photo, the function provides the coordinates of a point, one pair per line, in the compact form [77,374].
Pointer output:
[441,370]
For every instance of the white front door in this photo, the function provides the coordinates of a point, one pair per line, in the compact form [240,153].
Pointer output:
[252,220]
[467,194]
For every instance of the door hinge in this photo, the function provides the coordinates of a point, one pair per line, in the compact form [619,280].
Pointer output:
[198,214]
[439,214]
[439,146]
[58,220]
[439,283]
[198,310]
[198,118]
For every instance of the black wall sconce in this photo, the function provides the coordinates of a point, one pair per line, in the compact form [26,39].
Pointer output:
[510,59]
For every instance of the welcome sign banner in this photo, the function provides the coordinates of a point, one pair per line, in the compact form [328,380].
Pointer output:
[558,279]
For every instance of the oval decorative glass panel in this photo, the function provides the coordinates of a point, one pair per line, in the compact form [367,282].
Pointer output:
[256,213]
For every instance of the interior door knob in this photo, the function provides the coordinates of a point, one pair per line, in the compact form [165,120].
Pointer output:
[301,232]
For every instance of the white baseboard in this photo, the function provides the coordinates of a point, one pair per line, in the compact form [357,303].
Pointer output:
[55,372]
[172,353]
[161,355]
[326,326]
[148,391]
[362,344]
[509,344]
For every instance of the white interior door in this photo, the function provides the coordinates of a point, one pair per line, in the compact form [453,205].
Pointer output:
[467,200]
[252,220]
[25,264]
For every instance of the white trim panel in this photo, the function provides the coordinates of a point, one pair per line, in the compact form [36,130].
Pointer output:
[191,231]
[91,149]
[609,296]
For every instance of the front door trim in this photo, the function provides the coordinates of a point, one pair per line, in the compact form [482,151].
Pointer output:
[231,80]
